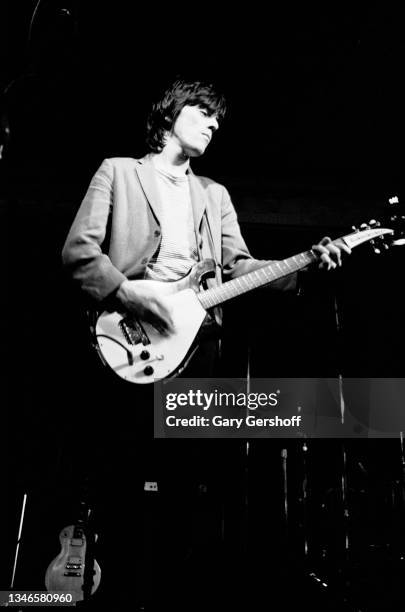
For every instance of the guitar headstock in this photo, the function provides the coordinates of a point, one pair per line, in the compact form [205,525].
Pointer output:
[393,219]
[381,241]
[370,232]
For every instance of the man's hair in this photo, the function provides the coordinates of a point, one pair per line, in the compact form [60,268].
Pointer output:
[180,93]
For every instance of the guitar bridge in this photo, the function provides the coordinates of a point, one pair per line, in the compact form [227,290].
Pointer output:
[133,331]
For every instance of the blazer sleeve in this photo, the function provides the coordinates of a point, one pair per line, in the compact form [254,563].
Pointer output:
[236,259]
[82,253]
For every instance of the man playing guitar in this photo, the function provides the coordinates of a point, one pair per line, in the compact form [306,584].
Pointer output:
[152,219]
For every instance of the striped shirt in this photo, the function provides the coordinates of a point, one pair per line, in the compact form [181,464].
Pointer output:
[177,252]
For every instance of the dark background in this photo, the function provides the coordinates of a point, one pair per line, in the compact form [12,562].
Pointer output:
[312,144]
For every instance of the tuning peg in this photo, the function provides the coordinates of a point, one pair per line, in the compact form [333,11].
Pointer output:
[364,226]
[393,200]
[375,247]
[355,229]
[373,223]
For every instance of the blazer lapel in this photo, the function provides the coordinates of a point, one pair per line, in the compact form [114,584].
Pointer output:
[146,174]
[198,199]
[200,204]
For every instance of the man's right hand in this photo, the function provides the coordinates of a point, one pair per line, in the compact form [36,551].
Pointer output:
[141,298]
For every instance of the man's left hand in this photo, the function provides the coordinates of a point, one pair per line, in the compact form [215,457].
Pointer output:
[331,253]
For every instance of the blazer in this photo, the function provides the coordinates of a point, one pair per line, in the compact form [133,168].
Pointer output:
[116,230]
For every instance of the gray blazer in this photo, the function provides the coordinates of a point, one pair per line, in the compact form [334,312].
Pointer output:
[116,230]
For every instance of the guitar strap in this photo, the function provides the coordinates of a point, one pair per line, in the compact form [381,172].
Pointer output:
[198,238]
[217,312]
[211,239]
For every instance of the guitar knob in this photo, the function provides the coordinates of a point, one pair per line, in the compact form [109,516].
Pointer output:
[148,371]
[144,355]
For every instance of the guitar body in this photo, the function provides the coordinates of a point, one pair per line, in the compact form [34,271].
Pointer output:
[66,572]
[135,351]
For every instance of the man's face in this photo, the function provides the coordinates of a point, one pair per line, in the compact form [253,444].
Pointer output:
[193,130]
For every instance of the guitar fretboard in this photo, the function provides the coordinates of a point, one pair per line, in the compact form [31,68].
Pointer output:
[253,280]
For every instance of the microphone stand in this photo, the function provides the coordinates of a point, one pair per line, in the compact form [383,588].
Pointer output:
[17,549]
[343,484]
[246,468]
[402,492]
[18,541]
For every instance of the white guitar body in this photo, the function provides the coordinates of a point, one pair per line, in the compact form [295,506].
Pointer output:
[163,355]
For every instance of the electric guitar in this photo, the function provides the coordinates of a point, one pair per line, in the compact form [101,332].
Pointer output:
[136,352]
[68,571]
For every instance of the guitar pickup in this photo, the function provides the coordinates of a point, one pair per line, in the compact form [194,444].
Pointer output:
[74,574]
[133,331]
[77,541]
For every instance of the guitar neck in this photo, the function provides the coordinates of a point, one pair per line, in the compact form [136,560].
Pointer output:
[258,278]
[277,269]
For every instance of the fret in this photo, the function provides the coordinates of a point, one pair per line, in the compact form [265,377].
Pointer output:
[262,271]
[257,274]
[287,263]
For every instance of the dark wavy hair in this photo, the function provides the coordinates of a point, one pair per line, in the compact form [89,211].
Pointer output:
[179,94]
